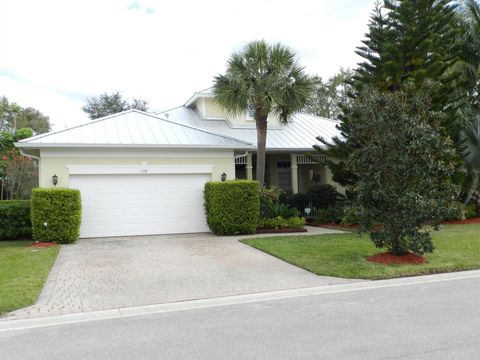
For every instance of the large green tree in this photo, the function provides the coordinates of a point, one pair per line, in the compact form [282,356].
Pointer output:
[328,95]
[403,165]
[108,104]
[14,117]
[408,41]
[268,79]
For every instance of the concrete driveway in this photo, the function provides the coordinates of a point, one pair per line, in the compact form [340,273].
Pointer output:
[107,273]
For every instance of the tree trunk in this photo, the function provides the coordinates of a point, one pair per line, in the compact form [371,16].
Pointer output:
[261,123]
[473,188]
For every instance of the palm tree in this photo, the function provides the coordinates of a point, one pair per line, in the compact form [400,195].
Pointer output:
[470,136]
[471,50]
[471,154]
[267,79]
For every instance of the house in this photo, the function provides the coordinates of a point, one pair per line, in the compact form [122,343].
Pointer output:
[142,174]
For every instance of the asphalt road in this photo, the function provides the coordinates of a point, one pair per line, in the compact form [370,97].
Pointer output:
[439,320]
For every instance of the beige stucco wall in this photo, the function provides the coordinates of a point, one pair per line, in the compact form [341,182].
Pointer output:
[55,161]
[209,109]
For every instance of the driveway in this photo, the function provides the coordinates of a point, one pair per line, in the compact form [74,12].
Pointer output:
[106,273]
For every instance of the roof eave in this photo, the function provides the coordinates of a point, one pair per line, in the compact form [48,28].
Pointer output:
[132,146]
[196,96]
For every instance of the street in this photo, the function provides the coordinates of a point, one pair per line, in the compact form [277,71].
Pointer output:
[434,320]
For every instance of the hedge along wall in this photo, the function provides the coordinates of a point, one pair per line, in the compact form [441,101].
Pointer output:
[232,207]
[15,220]
[56,215]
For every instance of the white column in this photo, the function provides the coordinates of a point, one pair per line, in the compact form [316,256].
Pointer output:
[249,167]
[294,171]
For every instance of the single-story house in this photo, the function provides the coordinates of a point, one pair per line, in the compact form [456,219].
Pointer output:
[142,173]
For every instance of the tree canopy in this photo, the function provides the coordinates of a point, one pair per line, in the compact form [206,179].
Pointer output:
[403,167]
[108,104]
[14,117]
[267,78]
[328,95]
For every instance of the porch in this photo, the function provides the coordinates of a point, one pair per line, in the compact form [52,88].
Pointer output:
[294,173]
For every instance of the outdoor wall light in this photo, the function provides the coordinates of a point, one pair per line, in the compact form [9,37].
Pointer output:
[55,180]
[224,177]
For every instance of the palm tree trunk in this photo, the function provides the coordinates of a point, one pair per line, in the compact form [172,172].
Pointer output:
[261,144]
[473,187]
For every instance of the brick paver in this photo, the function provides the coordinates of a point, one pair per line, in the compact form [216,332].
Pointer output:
[106,273]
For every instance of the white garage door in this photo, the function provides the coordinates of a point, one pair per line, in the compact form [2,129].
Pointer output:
[116,205]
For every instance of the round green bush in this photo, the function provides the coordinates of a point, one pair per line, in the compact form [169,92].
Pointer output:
[15,220]
[232,207]
[56,215]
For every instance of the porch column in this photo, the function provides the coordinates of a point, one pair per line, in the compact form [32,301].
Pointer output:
[249,167]
[294,171]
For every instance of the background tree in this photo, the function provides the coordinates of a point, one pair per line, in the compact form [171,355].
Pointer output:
[408,41]
[327,95]
[14,117]
[403,165]
[470,139]
[18,174]
[268,79]
[108,104]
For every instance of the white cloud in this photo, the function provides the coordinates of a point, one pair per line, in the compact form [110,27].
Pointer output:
[162,51]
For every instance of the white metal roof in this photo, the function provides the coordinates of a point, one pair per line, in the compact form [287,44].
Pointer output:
[134,128]
[299,134]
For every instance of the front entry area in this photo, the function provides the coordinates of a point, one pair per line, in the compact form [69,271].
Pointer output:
[141,204]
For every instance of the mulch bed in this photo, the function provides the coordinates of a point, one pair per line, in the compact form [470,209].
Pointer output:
[280,231]
[474,220]
[43,244]
[405,259]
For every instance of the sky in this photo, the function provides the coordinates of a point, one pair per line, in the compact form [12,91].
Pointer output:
[55,53]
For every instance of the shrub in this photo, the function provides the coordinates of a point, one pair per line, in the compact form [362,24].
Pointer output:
[470,211]
[56,215]
[298,201]
[15,220]
[323,196]
[270,194]
[296,223]
[232,207]
[272,223]
[272,210]
[324,216]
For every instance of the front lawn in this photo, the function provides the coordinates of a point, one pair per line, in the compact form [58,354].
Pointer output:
[23,271]
[457,247]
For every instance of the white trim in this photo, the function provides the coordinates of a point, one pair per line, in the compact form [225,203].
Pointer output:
[130,146]
[141,169]
[310,159]
[197,95]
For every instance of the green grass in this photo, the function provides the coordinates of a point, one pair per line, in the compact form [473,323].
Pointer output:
[23,271]
[457,247]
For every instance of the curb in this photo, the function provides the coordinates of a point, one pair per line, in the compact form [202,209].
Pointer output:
[12,325]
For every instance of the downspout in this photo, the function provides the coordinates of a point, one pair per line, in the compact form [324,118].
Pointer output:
[29,155]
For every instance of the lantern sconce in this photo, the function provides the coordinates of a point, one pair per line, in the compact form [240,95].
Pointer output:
[55,180]
[224,177]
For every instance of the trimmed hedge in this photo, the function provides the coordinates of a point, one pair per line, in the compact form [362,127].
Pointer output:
[56,215]
[15,220]
[232,207]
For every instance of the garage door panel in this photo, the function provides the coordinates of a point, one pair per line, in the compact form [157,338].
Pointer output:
[115,205]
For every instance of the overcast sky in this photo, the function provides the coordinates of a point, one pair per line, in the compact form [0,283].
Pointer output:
[54,53]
